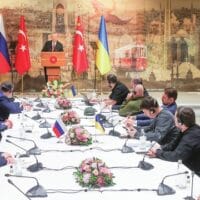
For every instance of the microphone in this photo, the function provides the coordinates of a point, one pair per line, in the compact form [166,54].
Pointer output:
[11,183]
[33,151]
[23,155]
[145,165]
[113,132]
[164,189]
[35,167]
[192,185]
[36,191]
[125,148]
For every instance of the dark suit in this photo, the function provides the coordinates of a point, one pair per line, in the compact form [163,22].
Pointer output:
[48,47]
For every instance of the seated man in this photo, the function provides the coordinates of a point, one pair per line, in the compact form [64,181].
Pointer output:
[134,83]
[132,106]
[7,105]
[5,158]
[168,102]
[162,128]
[187,146]
[118,94]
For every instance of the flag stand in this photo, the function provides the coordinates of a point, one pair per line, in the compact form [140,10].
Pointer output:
[94,47]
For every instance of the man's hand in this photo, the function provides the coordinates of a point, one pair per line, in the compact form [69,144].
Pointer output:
[8,123]
[151,153]
[8,158]
[131,132]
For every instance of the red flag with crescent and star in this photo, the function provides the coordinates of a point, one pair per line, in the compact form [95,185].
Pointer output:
[22,62]
[80,61]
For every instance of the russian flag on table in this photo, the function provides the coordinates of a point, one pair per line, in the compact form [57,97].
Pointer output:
[4,56]
[59,128]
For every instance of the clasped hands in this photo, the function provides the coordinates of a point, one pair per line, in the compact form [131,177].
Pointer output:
[129,125]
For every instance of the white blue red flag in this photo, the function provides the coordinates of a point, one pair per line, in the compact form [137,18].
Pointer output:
[4,56]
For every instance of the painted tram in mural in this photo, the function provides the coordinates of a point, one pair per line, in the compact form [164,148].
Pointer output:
[132,57]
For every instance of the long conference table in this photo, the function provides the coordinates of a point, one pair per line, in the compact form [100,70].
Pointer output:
[131,182]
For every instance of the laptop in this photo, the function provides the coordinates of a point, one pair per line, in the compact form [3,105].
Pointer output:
[86,100]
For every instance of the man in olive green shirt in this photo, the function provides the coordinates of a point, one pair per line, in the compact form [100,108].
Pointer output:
[132,106]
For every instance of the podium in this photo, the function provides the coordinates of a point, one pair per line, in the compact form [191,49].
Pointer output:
[51,61]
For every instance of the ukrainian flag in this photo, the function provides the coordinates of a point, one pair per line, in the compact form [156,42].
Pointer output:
[99,124]
[102,54]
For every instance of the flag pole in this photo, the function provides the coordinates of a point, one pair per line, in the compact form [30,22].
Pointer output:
[22,84]
[94,47]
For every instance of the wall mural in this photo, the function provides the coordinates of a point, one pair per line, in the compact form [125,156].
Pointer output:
[154,39]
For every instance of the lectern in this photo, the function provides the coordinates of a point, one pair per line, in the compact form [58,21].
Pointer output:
[52,61]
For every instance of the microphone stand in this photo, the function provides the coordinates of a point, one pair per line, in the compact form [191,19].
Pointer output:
[36,117]
[33,151]
[45,124]
[35,167]
[11,183]
[47,110]
[125,148]
[22,155]
[164,189]
[145,165]
[192,185]
[36,191]
[46,135]
[113,132]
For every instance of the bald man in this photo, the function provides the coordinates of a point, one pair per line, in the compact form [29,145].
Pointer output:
[132,107]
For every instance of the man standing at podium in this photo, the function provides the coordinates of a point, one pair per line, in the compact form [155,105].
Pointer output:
[50,46]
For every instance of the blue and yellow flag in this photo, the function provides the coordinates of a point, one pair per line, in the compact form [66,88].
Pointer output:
[102,56]
[99,124]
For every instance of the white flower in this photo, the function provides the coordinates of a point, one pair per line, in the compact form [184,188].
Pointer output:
[86,178]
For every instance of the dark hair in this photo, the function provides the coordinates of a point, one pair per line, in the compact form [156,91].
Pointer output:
[149,103]
[185,115]
[6,87]
[111,78]
[137,81]
[171,92]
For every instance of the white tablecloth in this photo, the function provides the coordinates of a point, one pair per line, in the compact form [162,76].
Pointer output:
[124,178]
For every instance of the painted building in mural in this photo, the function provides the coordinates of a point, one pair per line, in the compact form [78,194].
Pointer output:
[158,40]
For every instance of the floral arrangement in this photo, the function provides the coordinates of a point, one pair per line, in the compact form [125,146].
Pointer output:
[63,103]
[94,173]
[78,136]
[70,117]
[53,89]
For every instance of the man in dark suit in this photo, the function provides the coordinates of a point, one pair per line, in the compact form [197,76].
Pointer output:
[186,146]
[52,45]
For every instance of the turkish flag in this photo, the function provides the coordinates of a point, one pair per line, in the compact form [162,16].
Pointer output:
[22,62]
[80,61]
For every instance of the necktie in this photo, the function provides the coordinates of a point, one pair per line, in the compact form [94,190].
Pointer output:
[53,46]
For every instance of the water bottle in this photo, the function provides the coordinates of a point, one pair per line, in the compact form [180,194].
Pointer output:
[182,179]
[17,168]
[142,140]
[188,181]
[21,130]
[11,169]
